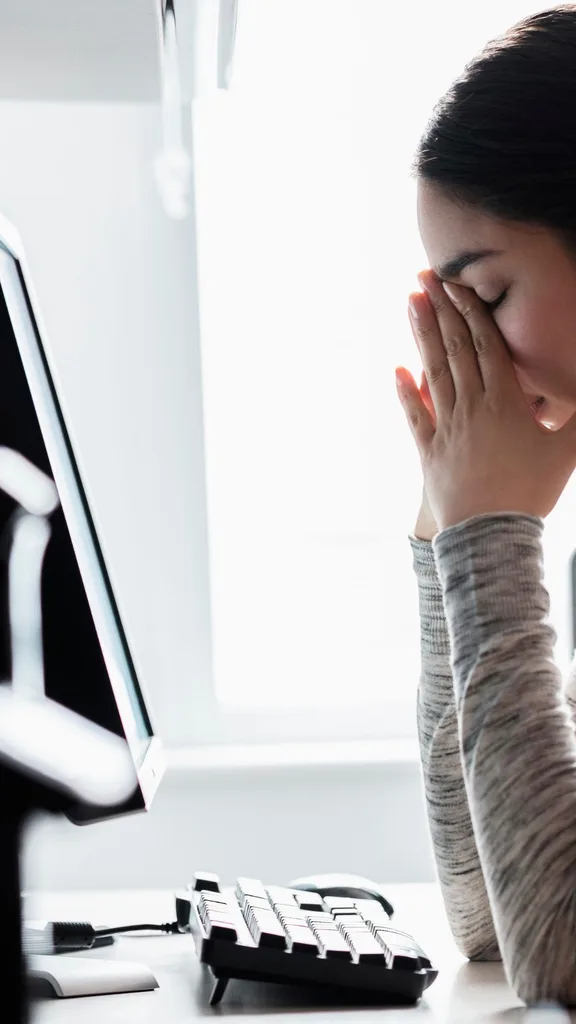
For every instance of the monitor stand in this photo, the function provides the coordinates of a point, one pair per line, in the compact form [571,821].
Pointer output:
[67,974]
[71,974]
[20,796]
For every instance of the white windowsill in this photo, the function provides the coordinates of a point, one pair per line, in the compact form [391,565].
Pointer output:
[292,755]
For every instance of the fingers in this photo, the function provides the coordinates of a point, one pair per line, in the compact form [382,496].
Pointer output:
[428,337]
[419,420]
[456,339]
[427,397]
[492,354]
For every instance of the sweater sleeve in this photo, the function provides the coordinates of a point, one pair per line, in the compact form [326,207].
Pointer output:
[517,742]
[453,842]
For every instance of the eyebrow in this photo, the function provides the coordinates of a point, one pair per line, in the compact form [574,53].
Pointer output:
[454,267]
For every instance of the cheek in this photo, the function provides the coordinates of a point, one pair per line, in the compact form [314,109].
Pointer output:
[542,345]
[536,337]
[524,339]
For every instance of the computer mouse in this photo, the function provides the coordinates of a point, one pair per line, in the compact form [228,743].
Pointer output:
[351,886]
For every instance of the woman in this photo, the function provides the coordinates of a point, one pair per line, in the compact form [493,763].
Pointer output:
[496,170]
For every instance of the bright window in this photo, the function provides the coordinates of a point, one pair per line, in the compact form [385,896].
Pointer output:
[308,248]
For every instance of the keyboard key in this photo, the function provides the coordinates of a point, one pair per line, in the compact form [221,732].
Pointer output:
[301,940]
[293,920]
[215,898]
[395,934]
[405,959]
[333,945]
[288,910]
[216,920]
[213,907]
[374,914]
[250,887]
[349,932]
[345,929]
[423,959]
[309,901]
[372,909]
[280,894]
[206,880]
[250,912]
[265,914]
[352,921]
[260,913]
[216,911]
[257,903]
[400,958]
[402,940]
[291,911]
[321,925]
[367,949]
[267,931]
[334,903]
[211,894]
[221,929]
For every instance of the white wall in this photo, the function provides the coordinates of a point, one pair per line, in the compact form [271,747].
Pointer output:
[115,281]
[272,824]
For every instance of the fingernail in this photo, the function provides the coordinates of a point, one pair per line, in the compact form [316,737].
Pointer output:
[450,291]
[413,309]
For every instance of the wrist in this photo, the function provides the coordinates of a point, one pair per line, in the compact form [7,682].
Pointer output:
[425,530]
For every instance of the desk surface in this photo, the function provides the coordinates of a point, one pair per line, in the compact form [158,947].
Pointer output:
[463,992]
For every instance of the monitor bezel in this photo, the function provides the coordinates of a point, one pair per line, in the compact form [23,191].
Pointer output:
[30,334]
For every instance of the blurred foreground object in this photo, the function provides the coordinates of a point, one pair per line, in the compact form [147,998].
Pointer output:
[50,757]
[210,39]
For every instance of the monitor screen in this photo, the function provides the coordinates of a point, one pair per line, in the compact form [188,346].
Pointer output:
[88,665]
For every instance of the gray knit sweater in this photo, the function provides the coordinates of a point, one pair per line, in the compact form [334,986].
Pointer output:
[498,747]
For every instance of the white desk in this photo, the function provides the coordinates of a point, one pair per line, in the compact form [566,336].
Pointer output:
[462,992]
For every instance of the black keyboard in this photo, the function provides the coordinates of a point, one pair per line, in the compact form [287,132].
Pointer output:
[273,933]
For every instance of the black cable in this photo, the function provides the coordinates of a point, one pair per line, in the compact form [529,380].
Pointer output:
[70,936]
[172,927]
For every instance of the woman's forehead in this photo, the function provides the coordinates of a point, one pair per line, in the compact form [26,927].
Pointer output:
[447,228]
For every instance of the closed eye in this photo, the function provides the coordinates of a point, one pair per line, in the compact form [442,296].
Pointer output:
[496,302]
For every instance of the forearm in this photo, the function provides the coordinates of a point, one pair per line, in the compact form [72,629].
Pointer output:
[517,742]
[451,831]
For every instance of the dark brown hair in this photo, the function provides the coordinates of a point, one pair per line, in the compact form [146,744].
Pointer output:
[503,138]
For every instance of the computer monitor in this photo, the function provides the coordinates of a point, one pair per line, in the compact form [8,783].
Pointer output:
[89,750]
[88,664]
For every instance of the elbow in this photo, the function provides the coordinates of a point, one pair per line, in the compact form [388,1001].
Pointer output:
[535,990]
[545,975]
[490,952]
[538,955]
[528,976]
[477,947]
